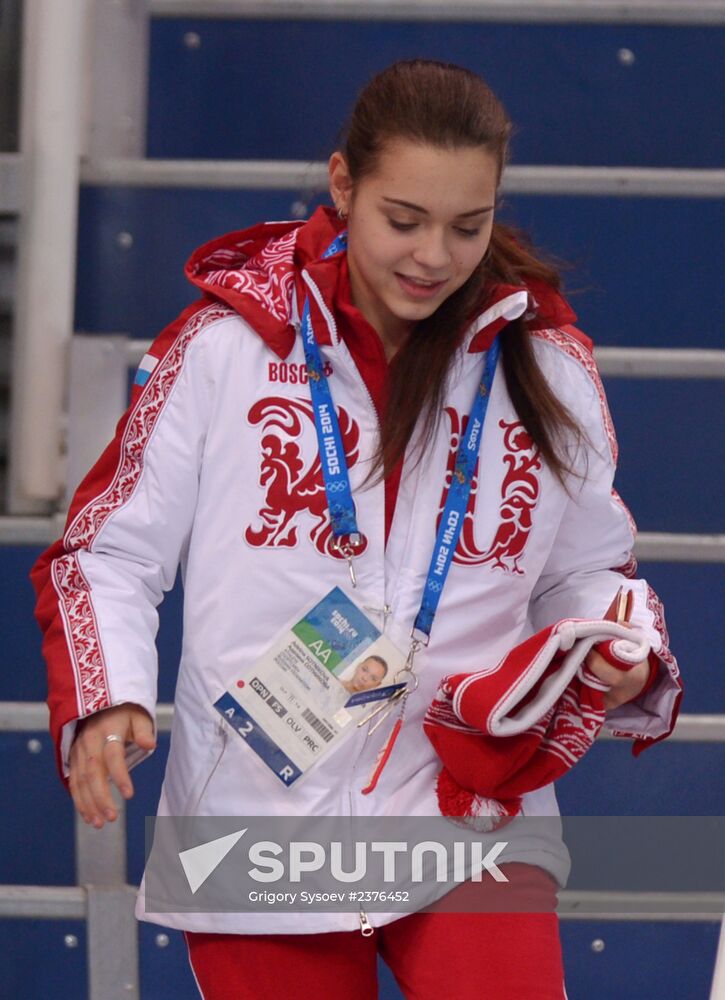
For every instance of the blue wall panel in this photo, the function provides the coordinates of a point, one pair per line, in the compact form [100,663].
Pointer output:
[37,835]
[668,779]
[644,272]
[639,960]
[141,289]
[37,964]
[692,597]
[283,89]
[23,678]
[671,471]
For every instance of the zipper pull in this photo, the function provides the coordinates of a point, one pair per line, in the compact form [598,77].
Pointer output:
[347,549]
[382,758]
[386,611]
[366,928]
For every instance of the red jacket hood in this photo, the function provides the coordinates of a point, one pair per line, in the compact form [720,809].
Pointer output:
[256,271]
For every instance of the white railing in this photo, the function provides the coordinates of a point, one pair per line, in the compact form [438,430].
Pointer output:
[53,61]
[530,11]
[293,175]
[32,716]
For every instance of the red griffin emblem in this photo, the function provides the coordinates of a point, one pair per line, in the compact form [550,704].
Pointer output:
[293,488]
[519,496]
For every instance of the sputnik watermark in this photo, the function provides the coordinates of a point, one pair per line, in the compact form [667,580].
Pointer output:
[403,864]
[272,862]
[212,864]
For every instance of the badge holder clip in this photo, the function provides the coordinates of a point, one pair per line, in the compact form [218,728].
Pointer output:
[346,546]
[399,698]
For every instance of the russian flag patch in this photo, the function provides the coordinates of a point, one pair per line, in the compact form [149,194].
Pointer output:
[148,363]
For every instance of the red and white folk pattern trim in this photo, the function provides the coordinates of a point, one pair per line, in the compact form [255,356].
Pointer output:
[137,433]
[79,622]
[75,604]
[571,346]
[268,277]
[654,605]
[574,730]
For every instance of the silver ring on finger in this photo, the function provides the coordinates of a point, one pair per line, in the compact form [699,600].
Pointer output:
[112,738]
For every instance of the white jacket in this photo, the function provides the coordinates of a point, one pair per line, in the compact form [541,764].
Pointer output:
[215,467]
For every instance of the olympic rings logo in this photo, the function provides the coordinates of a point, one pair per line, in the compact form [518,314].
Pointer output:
[336,487]
[435,586]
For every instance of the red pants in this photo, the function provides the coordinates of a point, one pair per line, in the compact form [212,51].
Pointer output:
[464,956]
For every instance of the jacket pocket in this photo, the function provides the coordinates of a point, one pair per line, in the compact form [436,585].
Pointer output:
[201,787]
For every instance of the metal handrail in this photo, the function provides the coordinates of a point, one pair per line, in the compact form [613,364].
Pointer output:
[70,902]
[45,902]
[660,546]
[531,11]
[32,716]
[293,175]
[660,362]
[311,177]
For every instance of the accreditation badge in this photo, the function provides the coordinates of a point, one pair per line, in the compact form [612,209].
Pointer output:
[302,698]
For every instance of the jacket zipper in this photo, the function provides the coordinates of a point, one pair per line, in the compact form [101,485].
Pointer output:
[222,731]
[366,928]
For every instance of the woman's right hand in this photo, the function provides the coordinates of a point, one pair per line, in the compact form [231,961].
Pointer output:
[94,760]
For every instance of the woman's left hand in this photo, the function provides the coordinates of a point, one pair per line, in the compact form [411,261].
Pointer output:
[625,685]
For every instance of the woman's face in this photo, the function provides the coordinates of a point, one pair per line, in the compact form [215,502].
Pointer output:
[417,228]
[368,675]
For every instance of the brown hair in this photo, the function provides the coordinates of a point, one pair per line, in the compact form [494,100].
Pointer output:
[450,107]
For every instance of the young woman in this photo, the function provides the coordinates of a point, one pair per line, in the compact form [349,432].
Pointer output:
[397,303]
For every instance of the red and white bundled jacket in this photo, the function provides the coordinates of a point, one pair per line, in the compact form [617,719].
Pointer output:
[215,467]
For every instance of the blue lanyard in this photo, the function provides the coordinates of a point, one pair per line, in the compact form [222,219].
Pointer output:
[337,479]
[332,450]
[459,491]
